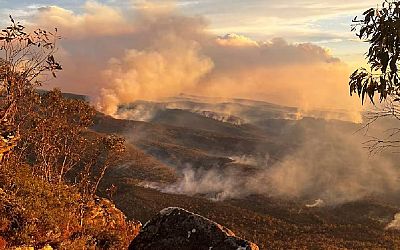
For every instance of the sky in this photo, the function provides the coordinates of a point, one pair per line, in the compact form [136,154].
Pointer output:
[297,53]
[324,22]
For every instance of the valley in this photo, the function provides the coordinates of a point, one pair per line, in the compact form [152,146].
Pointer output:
[275,179]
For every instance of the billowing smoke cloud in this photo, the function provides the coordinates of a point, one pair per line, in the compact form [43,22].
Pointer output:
[150,51]
[170,64]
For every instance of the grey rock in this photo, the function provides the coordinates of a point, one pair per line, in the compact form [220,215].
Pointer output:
[178,229]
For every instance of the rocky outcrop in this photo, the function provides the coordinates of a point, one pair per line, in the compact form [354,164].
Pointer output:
[101,212]
[178,229]
[100,224]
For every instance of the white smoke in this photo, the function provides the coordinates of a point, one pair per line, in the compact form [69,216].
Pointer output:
[329,165]
[395,223]
[214,184]
[317,203]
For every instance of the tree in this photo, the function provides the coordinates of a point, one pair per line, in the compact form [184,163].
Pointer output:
[55,163]
[52,135]
[26,61]
[380,27]
[52,131]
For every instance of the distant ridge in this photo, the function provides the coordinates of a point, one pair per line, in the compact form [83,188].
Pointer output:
[68,95]
[216,99]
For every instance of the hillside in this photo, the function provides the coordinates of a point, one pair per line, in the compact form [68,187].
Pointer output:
[181,158]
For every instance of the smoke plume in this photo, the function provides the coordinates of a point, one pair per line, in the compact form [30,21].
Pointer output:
[151,50]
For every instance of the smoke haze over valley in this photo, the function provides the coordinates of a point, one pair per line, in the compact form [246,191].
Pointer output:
[315,158]
[259,155]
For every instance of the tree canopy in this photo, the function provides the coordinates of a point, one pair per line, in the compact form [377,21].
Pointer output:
[380,27]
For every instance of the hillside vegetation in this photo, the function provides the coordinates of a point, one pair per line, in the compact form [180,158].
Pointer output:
[49,179]
[50,164]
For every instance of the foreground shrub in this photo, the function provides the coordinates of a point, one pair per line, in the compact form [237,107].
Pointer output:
[34,212]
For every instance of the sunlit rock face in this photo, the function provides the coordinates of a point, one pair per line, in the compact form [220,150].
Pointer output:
[102,212]
[178,229]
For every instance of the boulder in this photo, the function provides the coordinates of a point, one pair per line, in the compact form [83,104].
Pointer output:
[176,228]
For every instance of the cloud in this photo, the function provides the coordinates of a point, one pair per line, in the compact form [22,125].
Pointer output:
[294,10]
[236,41]
[297,21]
